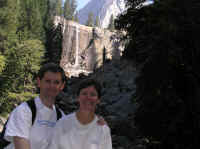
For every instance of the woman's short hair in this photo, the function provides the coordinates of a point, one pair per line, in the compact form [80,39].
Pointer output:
[89,82]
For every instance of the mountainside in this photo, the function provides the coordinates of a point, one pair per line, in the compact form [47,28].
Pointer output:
[103,9]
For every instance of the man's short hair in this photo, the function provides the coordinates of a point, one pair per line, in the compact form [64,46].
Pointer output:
[51,67]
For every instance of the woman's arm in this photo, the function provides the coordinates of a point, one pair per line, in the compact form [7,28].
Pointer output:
[21,143]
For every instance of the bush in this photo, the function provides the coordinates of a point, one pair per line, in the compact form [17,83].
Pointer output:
[8,103]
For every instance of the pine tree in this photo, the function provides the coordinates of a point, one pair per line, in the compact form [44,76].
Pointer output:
[48,15]
[163,43]
[97,23]
[73,8]
[30,21]
[76,17]
[53,44]
[90,21]
[70,9]
[2,63]
[111,25]
[58,8]
[21,45]
[67,10]
[9,22]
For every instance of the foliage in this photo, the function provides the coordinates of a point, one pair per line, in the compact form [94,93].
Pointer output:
[54,44]
[55,7]
[73,8]
[24,26]
[111,25]
[11,100]
[30,21]
[22,64]
[8,23]
[58,8]
[90,21]
[76,17]
[97,22]
[2,63]
[69,9]
[163,43]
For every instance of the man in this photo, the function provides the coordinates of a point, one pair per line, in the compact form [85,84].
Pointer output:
[19,129]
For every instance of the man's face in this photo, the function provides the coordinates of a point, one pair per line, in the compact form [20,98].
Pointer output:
[51,84]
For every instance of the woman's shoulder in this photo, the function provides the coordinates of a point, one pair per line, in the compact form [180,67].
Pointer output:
[65,123]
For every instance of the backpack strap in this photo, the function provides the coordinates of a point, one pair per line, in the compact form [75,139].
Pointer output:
[3,142]
[58,112]
[32,106]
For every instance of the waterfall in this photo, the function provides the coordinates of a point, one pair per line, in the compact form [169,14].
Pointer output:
[77,48]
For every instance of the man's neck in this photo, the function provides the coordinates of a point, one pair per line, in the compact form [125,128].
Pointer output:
[49,102]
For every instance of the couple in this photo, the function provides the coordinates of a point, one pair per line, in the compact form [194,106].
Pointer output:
[79,130]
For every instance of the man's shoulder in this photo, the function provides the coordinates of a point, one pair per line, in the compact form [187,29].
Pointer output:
[68,117]
[23,107]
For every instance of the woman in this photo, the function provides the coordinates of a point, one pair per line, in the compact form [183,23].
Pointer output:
[80,130]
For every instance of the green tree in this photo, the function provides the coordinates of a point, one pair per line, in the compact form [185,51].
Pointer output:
[163,43]
[16,80]
[97,23]
[76,17]
[54,44]
[67,10]
[70,9]
[48,16]
[2,63]
[58,8]
[111,25]
[8,23]
[90,21]
[30,21]
[73,8]
[22,63]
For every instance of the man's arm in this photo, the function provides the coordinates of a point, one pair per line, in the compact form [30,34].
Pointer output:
[21,143]
[101,121]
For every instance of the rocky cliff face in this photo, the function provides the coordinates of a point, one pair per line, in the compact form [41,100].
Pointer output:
[86,48]
[117,104]
[103,9]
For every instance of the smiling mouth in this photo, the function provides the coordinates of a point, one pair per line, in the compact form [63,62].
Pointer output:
[90,103]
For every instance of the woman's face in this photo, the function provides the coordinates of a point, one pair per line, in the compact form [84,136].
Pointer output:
[88,99]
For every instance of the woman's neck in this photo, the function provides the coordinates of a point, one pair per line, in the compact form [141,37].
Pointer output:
[85,117]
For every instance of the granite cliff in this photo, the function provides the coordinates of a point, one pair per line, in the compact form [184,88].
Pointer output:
[87,48]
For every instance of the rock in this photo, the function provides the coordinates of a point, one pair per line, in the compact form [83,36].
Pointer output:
[86,48]
[117,104]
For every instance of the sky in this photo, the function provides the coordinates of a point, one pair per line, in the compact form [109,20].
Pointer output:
[81,3]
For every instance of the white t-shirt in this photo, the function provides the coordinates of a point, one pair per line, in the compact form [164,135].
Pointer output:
[20,124]
[70,134]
